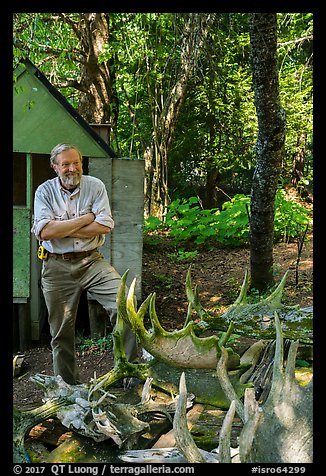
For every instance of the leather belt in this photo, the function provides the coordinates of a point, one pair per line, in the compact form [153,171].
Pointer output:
[72,255]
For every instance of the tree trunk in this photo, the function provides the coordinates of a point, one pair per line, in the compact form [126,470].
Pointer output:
[193,39]
[211,199]
[299,163]
[269,146]
[99,101]
[212,173]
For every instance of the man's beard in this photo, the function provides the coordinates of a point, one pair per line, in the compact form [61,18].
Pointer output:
[70,180]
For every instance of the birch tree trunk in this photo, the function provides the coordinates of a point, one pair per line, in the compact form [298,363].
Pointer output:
[269,146]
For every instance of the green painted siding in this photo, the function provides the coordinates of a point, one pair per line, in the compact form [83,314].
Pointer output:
[40,121]
[22,254]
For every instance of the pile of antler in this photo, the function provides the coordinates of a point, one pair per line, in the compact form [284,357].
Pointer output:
[93,411]
[276,431]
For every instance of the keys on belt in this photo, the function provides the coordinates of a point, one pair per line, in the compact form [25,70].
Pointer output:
[42,253]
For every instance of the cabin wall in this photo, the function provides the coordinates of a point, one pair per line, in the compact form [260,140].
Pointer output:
[128,214]
[42,119]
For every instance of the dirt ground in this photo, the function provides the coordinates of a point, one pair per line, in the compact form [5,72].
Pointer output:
[218,273]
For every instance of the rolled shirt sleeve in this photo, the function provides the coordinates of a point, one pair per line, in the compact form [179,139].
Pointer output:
[43,212]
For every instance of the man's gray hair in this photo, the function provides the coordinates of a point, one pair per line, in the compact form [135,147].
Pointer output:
[59,148]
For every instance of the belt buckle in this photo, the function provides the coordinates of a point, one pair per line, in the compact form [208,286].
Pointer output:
[65,256]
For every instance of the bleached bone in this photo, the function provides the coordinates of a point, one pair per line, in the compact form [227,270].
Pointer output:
[279,430]
[95,413]
[286,414]
[183,439]
[106,427]
[186,450]
[251,356]
[162,456]
[224,447]
[85,402]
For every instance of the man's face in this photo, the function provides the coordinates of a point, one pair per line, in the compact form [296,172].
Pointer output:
[69,168]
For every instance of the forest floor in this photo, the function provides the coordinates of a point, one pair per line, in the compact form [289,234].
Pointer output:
[218,273]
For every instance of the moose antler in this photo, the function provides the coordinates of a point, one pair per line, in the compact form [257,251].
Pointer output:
[256,320]
[280,429]
[23,421]
[180,348]
[277,431]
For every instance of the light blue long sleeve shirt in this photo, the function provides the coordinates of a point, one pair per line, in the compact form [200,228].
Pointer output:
[54,202]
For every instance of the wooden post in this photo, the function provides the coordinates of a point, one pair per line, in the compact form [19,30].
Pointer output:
[98,319]
[24,327]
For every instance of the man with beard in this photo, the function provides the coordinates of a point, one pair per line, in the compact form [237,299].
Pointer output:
[72,215]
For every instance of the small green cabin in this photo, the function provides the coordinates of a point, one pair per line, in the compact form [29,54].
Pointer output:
[42,118]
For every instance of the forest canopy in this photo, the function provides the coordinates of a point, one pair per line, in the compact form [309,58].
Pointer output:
[176,89]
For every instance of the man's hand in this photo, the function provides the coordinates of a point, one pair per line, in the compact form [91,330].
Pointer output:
[90,217]
[64,228]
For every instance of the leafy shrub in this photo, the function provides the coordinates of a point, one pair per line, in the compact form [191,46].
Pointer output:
[233,223]
[291,218]
[152,227]
[188,224]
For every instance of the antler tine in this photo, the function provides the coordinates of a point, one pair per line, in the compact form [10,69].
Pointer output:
[153,316]
[279,350]
[193,298]
[182,435]
[225,436]
[221,370]
[290,364]
[242,298]
[121,298]
[136,318]
[274,299]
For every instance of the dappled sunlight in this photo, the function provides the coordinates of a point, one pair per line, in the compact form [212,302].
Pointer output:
[303,375]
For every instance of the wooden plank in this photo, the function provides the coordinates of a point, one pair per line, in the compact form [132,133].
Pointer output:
[35,299]
[132,251]
[126,172]
[129,258]
[102,169]
[128,214]
[128,234]
[29,181]
[21,252]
